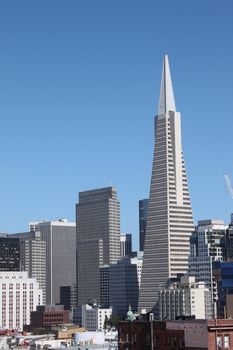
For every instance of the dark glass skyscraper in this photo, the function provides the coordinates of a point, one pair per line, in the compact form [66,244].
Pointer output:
[9,253]
[143,207]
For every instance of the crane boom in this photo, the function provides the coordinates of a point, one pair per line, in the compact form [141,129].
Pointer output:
[229,185]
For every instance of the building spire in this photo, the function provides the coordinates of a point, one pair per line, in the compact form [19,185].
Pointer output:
[166,100]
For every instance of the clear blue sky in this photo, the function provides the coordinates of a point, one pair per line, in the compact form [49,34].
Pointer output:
[79,87]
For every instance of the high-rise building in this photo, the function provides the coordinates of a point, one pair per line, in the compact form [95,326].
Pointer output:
[104,286]
[33,257]
[19,295]
[207,244]
[126,244]
[98,239]
[184,298]
[60,238]
[124,284]
[169,217]
[9,253]
[223,277]
[143,207]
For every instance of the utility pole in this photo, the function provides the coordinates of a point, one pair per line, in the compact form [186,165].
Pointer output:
[151,318]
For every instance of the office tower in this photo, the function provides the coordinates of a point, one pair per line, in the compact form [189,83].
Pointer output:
[124,284]
[169,217]
[98,239]
[9,253]
[143,207]
[184,298]
[207,244]
[104,286]
[60,238]
[126,244]
[33,257]
[19,295]
[223,278]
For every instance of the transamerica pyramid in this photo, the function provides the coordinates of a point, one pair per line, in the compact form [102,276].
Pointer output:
[169,218]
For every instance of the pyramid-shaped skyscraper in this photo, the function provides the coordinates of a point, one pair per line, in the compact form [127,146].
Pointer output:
[169,217]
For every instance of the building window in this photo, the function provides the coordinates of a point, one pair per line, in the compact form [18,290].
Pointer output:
[226,342]
[219,342]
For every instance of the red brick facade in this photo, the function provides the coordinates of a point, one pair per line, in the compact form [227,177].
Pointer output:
[46,316]
[136,335]
[176,335]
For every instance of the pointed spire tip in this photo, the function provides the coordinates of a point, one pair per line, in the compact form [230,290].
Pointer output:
[166,100]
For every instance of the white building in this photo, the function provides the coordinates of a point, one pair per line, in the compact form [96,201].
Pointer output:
[169,222]
[187,298]
[19,295]
[91,317]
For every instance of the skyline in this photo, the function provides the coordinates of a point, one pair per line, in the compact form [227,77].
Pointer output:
[110,55]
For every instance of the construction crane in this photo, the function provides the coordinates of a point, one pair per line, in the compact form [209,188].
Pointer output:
[229,185]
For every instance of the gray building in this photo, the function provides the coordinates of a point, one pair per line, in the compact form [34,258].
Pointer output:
[169,218]
[143,207]
[98,239]
[124,284]
[60,238]
[207,244]
[33,257]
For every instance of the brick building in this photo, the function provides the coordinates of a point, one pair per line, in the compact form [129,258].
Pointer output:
[48,316]
[176,335]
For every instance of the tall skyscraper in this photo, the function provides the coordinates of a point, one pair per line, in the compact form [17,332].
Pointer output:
[60,238]
[98,239]
[169,218]
[143,207]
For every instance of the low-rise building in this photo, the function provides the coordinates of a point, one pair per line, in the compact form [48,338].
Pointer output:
[48,316]
[91,317]
[177,335]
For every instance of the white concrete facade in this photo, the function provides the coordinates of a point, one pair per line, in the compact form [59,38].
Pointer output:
[19,295]
[169,217]
[187,298]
